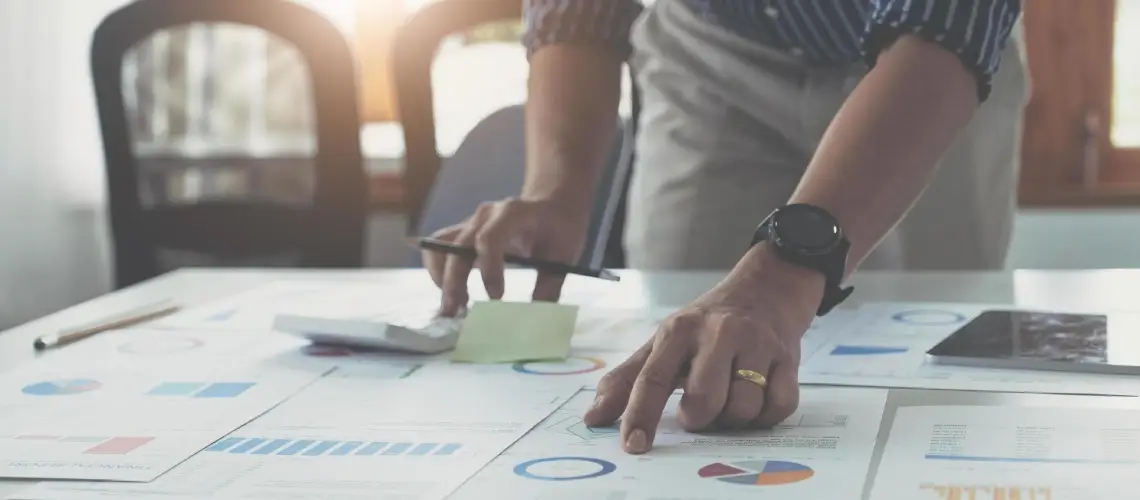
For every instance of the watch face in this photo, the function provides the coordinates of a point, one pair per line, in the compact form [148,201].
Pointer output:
[806,228]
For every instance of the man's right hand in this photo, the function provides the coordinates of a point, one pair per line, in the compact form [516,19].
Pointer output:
[537,229]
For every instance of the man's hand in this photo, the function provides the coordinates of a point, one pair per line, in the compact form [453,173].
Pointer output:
[529,228]
[752,321]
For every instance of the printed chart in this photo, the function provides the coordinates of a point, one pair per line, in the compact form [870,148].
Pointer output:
[824,448]
[885,346]
[122,425]
[328,449]
[758,472]
[317,448]
[564,468]
[987,453]
[61,387]
[582,367]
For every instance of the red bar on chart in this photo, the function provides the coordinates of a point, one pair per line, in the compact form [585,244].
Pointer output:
[118,446]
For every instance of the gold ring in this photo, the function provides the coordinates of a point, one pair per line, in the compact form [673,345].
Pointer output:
[754,377]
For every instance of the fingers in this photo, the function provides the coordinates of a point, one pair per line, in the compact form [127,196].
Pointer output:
[707,388]
[745,398]
[614,390]
[783,394]
[490,243]
[458,268]
[654,386]
[548,287]
[435,261]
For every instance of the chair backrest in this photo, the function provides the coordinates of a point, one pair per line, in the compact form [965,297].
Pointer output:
[328,232]
[490,162]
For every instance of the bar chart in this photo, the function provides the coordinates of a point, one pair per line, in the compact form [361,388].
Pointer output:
[201,389]
[330,448]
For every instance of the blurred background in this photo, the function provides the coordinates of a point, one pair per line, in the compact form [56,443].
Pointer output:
[199,96]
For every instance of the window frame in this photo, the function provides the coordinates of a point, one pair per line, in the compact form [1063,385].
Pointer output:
[1068,158]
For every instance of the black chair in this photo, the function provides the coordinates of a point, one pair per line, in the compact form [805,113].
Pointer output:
[327,232]
[490,163]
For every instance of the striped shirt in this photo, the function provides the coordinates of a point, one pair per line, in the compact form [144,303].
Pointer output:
[821,32]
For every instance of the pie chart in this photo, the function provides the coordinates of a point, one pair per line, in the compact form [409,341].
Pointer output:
[574,365]
[758,472]
[62,387]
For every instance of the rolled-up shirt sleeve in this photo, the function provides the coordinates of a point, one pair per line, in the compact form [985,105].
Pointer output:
[975,30]
[596,22]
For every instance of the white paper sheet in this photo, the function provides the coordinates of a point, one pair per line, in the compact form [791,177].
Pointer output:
[350,439]
[611,329]
[626,330]
[886,344]
[583,367]
[63,422]
[1010,453]
[822,451]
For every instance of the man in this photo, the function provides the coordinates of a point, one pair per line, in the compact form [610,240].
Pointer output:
[827,120]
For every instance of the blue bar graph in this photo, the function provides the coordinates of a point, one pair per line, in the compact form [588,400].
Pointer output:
[448,449]
[397,449]
[225,444]
[329,448]
[371,449]
[346,448]
[423,449]
[320,448]
[247,446]
[224,390]
[296,447]
[175,389]
[271,446]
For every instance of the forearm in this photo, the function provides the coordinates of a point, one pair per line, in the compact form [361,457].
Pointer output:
[883,146]
[571,121]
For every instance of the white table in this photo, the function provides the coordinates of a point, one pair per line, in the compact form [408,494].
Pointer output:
[1104,290]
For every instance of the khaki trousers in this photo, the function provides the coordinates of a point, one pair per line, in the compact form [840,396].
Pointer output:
[728,127]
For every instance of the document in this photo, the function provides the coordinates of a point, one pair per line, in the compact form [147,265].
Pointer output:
[499,331]
[822,451]
[583,367]
[64,422]
[627,330]
[885,345]
[1010,453]
[613,329]
[159,349]
[344,439]
[255,309]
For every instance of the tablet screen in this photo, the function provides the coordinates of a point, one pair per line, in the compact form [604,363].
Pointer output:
[1072,338]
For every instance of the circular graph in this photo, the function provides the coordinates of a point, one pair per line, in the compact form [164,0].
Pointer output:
[564,468]
[757,472]
[571,366]
[929,317]
[62,387]
[161,345]
[326,351]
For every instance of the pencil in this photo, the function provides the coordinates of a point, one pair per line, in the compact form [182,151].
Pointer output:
[123,320]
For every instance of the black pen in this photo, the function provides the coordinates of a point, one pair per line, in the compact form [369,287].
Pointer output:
[545,266]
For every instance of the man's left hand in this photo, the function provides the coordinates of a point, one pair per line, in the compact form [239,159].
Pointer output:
[753,320]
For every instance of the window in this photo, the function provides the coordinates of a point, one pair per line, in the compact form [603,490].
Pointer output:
[1082,125]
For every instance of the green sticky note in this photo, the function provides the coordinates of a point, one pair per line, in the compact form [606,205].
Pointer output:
[502,332]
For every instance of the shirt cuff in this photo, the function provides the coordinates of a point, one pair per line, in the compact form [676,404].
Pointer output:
[584,22]
[974,30]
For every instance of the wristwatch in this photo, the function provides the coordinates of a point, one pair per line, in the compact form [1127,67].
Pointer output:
[808,236]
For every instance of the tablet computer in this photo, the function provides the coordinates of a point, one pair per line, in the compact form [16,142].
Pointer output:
[1033,340]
